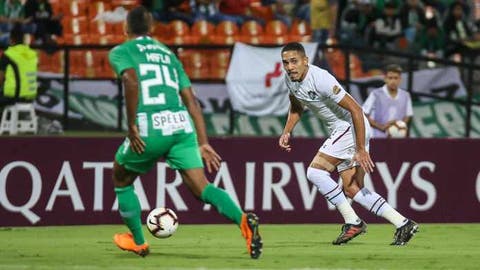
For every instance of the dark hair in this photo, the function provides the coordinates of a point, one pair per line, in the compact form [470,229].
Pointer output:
[139,21]
[16,35]
[294,46]
[393,68]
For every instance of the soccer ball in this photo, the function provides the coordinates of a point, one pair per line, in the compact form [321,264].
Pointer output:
[162,222]
[397,130]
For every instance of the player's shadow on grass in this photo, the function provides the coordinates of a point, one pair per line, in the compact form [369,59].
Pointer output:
[307,244]
[193,256]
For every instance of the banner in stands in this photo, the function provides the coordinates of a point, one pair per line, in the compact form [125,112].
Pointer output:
[95,103]
[431,119]
[427,180]
[255,79]
[443,82]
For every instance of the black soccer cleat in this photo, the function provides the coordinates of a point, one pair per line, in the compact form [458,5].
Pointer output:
[250,231]
[405,233]
[350,231]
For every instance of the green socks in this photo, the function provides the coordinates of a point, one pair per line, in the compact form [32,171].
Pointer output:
[222,202]
[130,210]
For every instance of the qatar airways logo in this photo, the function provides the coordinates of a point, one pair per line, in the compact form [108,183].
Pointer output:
[264,183]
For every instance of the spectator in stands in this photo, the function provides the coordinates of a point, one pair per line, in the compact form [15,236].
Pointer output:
[322,19]
[279,12]
[12,12]
[169,10]
[209,10]
[18,70]
[412,16]
[459,31]
[357,22]
[387,28]
[239,8]
[431,42]
[48,24]
[302,10]
[388,104]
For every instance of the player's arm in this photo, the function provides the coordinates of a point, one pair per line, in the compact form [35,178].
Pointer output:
[409,113]
[294,114]
[361,155]
[125,70]
[130,83]
[368,108]
[379,126]
[212,159]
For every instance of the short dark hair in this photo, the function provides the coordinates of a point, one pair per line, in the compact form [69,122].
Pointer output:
[393,68]
[294,46]
[16,35]
[139,21]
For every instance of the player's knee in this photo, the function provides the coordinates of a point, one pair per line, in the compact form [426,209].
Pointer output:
[315,175]
[322,164]
[121,177]
[351,190]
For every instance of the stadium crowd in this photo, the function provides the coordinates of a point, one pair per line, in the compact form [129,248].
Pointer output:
[433,28]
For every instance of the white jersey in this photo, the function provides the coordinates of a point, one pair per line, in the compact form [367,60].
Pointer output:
[320,92]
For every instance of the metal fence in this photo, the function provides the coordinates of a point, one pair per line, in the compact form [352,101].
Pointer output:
[411,62]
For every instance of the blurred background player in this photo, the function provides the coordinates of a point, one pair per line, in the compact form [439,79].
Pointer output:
[386,105]
[345,150]
[164,120]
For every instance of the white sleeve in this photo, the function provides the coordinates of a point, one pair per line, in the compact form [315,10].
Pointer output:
[409,106]
[327,85]
[368,105]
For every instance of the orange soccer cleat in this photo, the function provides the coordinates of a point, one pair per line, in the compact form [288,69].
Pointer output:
[250,232]
[125,242]
[350,231]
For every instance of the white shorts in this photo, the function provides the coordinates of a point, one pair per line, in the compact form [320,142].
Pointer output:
[341,144]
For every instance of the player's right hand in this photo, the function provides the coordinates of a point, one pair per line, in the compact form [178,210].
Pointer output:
[363,158]
[388,124]
[284,142]
[136,143]
[212,159]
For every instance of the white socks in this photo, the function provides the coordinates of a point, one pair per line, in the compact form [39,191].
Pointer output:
[333,193]
[374,203]
[348,213]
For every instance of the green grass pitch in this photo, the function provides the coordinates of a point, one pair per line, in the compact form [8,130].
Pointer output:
[436,246]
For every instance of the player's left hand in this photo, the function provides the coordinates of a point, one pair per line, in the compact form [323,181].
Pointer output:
[284,142]
[212,159]
[363,158]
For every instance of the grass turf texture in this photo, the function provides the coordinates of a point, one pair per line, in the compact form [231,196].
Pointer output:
[436,246]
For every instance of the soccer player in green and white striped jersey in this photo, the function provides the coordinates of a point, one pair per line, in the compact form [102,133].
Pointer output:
[164,120]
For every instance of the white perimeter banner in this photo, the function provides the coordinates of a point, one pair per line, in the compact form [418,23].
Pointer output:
[443,82]
[255,79]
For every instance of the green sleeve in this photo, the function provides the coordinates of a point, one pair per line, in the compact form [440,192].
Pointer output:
[183,80]
[119,60]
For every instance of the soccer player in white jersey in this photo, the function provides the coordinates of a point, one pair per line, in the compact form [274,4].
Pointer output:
[345,150]
[388,104]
